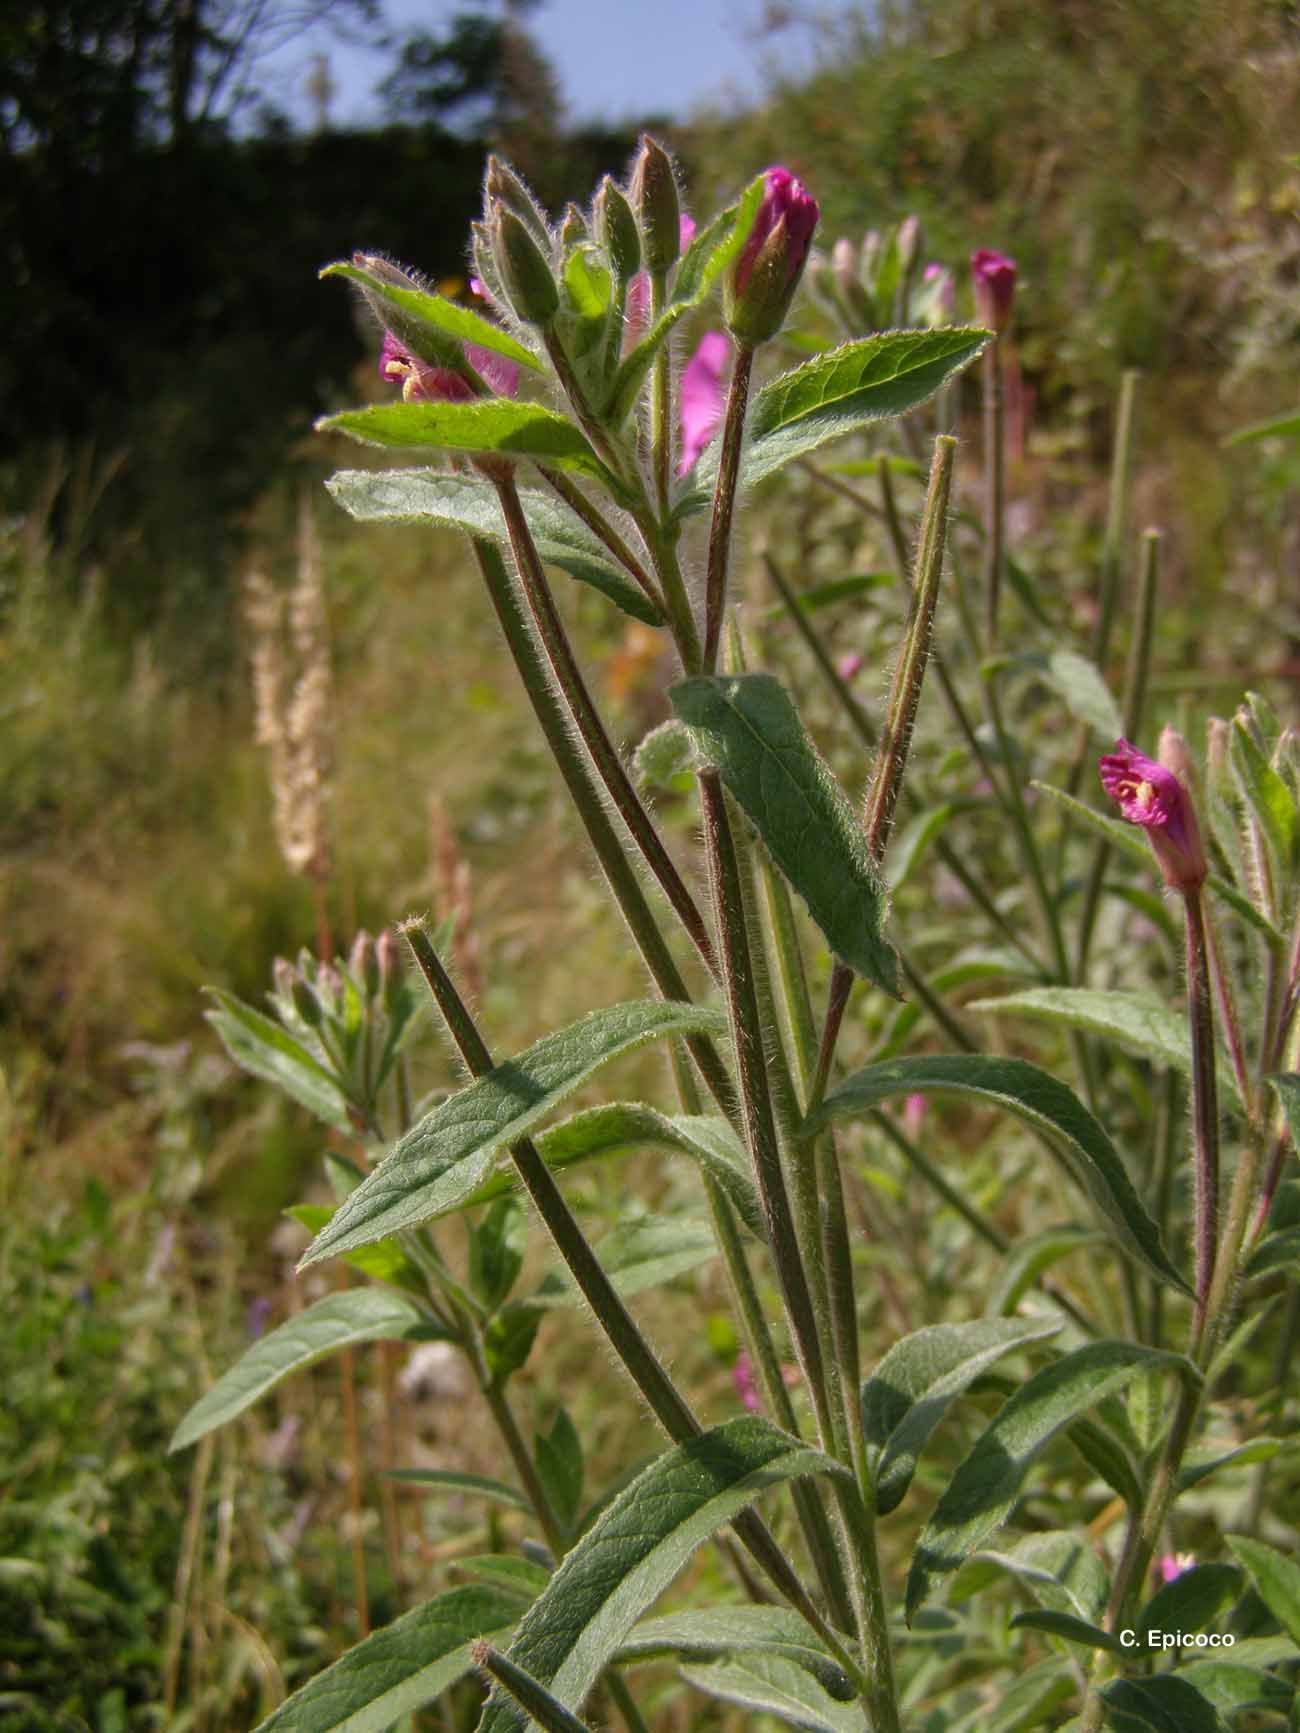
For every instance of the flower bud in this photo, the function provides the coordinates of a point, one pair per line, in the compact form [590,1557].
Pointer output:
[654,197]
[909,243]
[283,976]
[363,964]
[848,285]
[616,229]
[306,1004]
[573,227]
[994,278]
[386,959]
[763,279]
[523,268]
[503,186]
[1153,795]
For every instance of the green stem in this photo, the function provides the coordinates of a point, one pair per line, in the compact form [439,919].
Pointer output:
[1121,477]
[532,1696]
[724,503]
[601,528]
[994,491]
[624,1701]
[661,401]
[587,720]
[1205,1106]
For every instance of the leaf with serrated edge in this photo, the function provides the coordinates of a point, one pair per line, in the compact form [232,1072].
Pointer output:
[469,503]
[260,1045]
[631,1554]
[703,1634]
[911,1390]
[747,728]
[1137,1021]
[1276,1578]
[338,1321]
[773,1685]
[986,1485]
[441,1160]
[1040,1100]
[399,1669]
[842,390]
[488,424]
[620,1127]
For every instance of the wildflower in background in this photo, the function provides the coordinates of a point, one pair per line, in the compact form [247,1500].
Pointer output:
[938,295]
[258,1316]
[763,279]
[1151,794]
[702,397]
[913,1114]
[1173,1564]
[742,1376]
[994,277]
[850,666]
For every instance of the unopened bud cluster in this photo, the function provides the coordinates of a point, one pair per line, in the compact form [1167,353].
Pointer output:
[880,283]
[348,1013]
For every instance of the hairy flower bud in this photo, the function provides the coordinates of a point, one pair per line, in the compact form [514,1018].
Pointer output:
[306,1004]
[762,282]
[994,277]
[363,964]
[502,186]
[386,960]
[909,243]
[1153,795]
[616,229]
[523,267]
[654,197]
[573,227]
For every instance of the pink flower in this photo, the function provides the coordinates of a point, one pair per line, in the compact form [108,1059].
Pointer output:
[423,383]
[1173,1564]
[788,210]
[1150,794]
[994,276]
[850,666]
[913,1114]
[702,397]
[742,1376]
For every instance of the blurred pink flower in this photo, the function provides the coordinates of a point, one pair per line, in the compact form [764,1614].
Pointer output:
[742,1376]
[1150,794]
[994,276]
[850,666]
[702,397]
[913,1114]
[1173,1564]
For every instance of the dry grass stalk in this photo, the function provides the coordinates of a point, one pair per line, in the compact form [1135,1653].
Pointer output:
[453,895]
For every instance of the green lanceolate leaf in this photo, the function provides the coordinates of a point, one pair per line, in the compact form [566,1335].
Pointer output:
[910,1391]
[436,314]
[449,1480]
[1028,1259]
[443,1158]
[1279,1251]
[399,1669]
[1276,1578]
[1078,683]
[1164,1704]
[987,1484]
[1200,1465]
[560,1467]
[747,728]
[844,390]
[488,424]
[469,503]
[1286,1086]
[911,842]
[638,1255]
[1127,839]
[339,1321]
[707,1634]
[1136,1021]
[773,1685]
[1276,427]
[1070,1627]
[1040,1100]
[1234,1688]
[507,1572]
[385,1261]
[1061,1571]
[1268,797]
[265,1048]
[630,1555]
[1191,1600]
[621,1127]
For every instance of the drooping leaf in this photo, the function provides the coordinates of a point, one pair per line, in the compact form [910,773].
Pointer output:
[772,1685]
[911,1390]
[1062,1571]
[1069,1626]
[630,1555]
[1078,683]
[620,1127]
[987,1484]
[487,424]
[1163,1703]
[1136,1021]
[1276,1578]
[453,1481]
[704,1635]
[447,318]
[469,503]
[1191,1600]
[1201,1464]
[637,1255]
[338,1321]
[399,1669]
[844,390]
[448,1153]
[264,1047]
[1040,1100]
[747,728]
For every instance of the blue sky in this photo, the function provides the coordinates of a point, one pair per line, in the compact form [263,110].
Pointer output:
[614,58]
